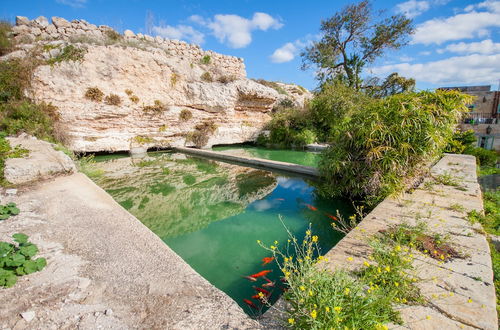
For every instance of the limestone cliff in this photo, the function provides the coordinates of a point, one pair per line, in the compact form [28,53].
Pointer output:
[155,92]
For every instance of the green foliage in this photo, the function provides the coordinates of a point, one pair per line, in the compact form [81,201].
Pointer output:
[206,76]
[189,179]
[87,165]
[113,99]
[68,53]
[461,141]
[25,116]
[157,107]
[8,210]
[483,157]
[306,136]
[17,260]
[15,77]
[393,84]
[94,94]
[185,115]
[353,37]
[388,141]
[6,43]
[274,85]
[205,59]
[447,179]
[7,152]
[321,299]
[202,133]
[141,140]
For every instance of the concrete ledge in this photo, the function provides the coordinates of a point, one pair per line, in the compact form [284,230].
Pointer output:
[461,293]
[105,269]
[253,162]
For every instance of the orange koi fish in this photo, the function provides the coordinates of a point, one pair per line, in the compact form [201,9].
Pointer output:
[267,260]
[260,274]
[264,291]
[249,303]
[269,284]
[256,296]
[334,218]
[250,278]
[310,207]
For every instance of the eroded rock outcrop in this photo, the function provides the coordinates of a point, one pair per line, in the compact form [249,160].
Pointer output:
[165,90]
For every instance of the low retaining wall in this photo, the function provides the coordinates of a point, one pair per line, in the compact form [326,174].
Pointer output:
[253,162]
[460,292]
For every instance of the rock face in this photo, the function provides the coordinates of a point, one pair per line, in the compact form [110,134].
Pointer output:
[168,91]
[42,162]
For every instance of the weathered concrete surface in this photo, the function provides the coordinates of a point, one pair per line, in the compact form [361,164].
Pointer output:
[460,293]
[254,162]
[41,163]
[105,269]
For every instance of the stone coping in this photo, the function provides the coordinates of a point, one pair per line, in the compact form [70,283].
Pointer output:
[460,292]
[105,268]
[253,162]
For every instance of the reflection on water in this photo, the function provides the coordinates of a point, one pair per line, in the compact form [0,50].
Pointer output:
[212,213]
[306,158]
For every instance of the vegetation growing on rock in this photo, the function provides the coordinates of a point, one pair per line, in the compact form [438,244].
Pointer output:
[185,115]
[113,99]
[94,94]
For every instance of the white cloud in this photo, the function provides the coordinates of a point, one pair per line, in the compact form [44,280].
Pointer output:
[405,58]
[470,69]
[425,53]
[180,32]
[288,51]
[482,47]
[285,53]
[73,3]
[412,8]
[235,30]
[467,25]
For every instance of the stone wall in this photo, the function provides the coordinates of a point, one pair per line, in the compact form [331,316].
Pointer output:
[27,31]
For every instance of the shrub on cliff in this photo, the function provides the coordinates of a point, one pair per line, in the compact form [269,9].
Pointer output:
[387,141]
[94,94]
[202,133]
[207,77]
[6,43]
[185,115]
[113,99]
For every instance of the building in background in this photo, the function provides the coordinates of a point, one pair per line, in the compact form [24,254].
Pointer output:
[484,116]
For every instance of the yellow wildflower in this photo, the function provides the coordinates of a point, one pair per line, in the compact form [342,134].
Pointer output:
[311,292]
[366,264]
[276,242]
[350,259]
[469,301]
[291,321]
[258,241]
[273,247]
[398,248]
[451,294]
[261,295]
[308,232]
[315,238]
[347,290]
[387,268]
[396,284]
[381,327]
[379,270]
[428,317]
[302,288]
[337,308]
[314,314]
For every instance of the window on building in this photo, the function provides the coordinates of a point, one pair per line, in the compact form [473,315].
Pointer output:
[486,142]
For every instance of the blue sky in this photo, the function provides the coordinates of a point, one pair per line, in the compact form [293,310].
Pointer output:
[456,42]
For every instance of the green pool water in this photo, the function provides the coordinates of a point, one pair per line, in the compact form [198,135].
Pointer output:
[212,214]
[305,158]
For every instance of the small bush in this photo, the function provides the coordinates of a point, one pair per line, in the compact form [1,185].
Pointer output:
[113,99]
[306,136]
[157,107]
[17,260]
[6,43]
[205,59]
[94,94]
[202,133]
[68,53]
[134,99]
[206,77]
[173,79]
[185,115]
[141,140]
[113,36]
[226,79]
[129,92]
[273,85]
[483,157]
[15,78]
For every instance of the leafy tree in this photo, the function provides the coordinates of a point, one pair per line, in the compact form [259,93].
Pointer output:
[393,84]
[351,39]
